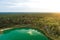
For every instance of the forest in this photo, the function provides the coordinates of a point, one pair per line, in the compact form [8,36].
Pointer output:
[49,23]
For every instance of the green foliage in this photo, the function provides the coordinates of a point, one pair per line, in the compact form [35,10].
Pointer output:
[49,23]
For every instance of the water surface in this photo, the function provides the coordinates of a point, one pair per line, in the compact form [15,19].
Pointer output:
[22,34]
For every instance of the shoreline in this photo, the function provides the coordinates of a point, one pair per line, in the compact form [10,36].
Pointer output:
[21,26]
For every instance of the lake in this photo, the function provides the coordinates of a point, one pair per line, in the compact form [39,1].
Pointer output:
[22,34]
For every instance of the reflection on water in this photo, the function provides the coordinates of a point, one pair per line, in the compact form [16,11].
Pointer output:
[22,34]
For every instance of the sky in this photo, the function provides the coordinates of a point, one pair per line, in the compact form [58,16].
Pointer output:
[29,5]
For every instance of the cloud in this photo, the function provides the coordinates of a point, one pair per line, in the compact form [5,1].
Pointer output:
[31,5]
[12,3]
[44,5]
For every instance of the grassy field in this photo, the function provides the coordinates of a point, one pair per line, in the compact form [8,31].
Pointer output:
[48,23]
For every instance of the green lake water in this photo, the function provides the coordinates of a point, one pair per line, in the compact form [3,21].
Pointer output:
[22,34]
